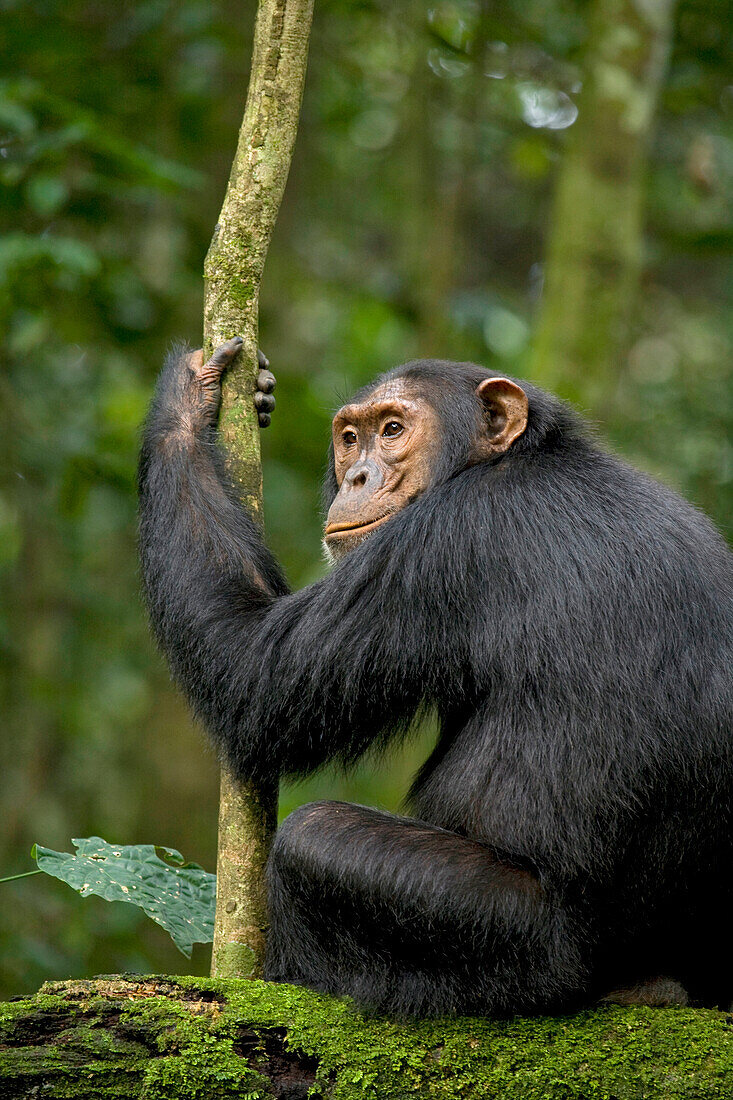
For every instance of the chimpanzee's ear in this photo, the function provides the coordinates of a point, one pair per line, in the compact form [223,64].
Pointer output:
[506,408]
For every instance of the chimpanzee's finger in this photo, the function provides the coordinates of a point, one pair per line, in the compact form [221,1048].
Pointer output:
[224,354]
[266,381]
[262,360]
[264,402]
[264,420]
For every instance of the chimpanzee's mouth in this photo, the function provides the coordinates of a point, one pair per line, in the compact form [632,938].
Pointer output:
[339,530]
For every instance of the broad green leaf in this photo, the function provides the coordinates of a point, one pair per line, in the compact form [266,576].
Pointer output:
[178,896]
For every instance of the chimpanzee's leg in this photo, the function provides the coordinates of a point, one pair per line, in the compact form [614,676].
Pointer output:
[412,919]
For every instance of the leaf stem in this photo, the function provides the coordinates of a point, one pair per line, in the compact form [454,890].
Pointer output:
[26,874]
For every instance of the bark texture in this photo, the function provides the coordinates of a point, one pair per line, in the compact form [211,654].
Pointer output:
[233,270]
[194,1039]
[594,250]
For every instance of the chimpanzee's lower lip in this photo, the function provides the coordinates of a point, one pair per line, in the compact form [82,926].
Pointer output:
[335,530]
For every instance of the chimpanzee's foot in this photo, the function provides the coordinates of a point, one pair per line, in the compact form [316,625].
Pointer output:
[653,992]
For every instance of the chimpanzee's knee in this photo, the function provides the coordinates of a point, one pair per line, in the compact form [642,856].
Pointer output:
[305,847]
[297,837]
[297,875]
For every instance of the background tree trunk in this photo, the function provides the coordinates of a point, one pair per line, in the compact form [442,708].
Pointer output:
[594,249]
[233,271]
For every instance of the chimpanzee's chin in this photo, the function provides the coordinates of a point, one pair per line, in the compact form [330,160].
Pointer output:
[337,549]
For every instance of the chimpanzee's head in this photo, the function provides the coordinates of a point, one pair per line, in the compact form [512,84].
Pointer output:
[411,429]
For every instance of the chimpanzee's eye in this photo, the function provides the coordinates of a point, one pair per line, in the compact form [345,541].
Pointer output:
[349,438]
[392,428]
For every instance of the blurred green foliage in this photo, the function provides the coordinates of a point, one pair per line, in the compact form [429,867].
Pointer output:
[413,223]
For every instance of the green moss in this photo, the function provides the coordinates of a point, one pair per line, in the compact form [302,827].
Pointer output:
[241,293]
[176,1038]
[208,1068]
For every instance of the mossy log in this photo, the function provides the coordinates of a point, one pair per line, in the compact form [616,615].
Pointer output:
[207,1039]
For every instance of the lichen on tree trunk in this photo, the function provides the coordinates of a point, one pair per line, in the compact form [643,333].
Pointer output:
[594,248]
[233,270]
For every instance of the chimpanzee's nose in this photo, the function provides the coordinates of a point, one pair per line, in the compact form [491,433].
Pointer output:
[365,472]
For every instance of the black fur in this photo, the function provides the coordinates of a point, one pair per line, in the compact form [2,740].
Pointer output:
[569,621]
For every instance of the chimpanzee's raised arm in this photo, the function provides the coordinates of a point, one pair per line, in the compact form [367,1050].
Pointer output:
[182,481]
[283,682]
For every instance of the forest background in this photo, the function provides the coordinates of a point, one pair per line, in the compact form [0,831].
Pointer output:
[415,222]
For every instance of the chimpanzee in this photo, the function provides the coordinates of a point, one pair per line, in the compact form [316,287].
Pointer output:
[568,621]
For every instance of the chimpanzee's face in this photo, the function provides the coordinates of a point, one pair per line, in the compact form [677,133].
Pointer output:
[385,449]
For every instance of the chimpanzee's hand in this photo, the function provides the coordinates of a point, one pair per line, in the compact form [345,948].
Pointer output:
[201,396]
[203,386]
[264,401]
